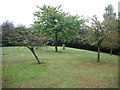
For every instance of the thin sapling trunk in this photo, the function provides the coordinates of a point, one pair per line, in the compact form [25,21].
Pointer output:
[33,52]
[56,41]
[63,46]
[111,51]
[98,60]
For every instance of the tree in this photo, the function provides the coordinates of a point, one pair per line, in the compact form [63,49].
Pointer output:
[96,34]
[30,38]
[111,24]
[7,31]
[111,40]
[56,24]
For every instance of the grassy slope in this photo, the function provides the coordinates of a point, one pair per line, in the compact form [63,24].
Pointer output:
[72,68]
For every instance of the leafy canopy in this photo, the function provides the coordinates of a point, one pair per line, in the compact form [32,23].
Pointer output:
[52,20]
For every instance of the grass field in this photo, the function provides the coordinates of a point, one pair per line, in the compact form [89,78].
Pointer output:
[70,68]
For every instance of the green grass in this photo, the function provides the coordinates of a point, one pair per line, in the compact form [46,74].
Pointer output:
[70,68]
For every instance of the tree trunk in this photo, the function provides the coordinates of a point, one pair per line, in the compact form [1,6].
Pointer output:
[98,60]
[63,46]
[56,49]
[111,51]
[33,52]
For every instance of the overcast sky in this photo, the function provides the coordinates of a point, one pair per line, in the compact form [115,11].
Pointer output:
[21,11]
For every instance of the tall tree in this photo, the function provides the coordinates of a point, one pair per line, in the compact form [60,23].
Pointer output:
[56,24]
[111,23]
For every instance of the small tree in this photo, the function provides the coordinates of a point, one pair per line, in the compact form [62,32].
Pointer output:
[30,38]
[96,34]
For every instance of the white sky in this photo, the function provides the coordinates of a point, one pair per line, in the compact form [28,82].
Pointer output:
[21,11]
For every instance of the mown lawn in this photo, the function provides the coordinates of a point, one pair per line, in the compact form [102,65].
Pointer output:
[70,68]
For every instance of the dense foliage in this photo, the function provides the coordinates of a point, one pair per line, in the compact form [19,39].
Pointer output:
[56,24]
